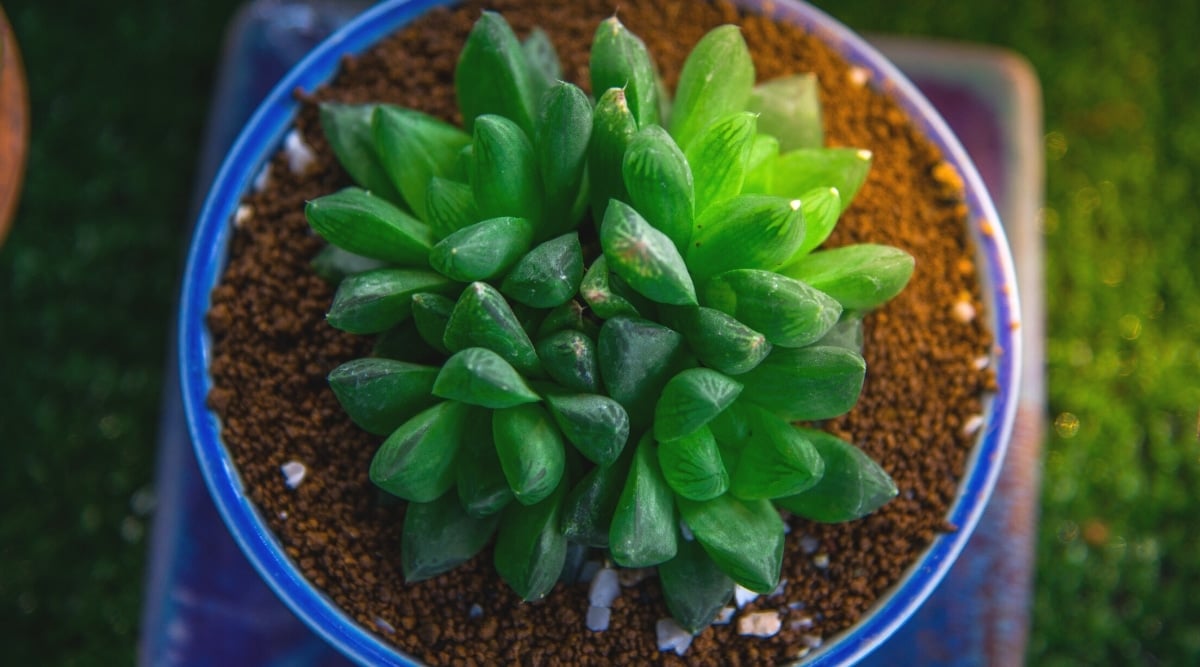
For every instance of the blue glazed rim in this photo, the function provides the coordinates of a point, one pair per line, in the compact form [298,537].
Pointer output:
[263,135]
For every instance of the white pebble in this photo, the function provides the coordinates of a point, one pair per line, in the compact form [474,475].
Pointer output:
[760,624]
[597,618]
[605,588]
[812,641]
[743,596]
[671,637]
[293,473]
[821,561]
[283,516]
[724,616]
[809,544]
[299,155]
[802,623]
[384,626]
[859,76]
[475,611]
[964,312]
[242,215]
[589,570]
[982,362]
[263,178]
[973,425]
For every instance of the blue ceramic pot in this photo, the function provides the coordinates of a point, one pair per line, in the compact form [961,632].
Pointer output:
[263,136]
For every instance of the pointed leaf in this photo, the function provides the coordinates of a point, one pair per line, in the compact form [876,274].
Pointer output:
[478,376]
[374,301]
[853,485]
[482,318]
[547,276]
[564,130]
[431,313]
[788,312]
[347,128]
[483,250]
[789,109]
[358,221]
[719,156]
[636,359]
[619,59]
[413,148]
[597,425]
[763,153]
[659,182]
[777,461]
[821,208]
[644,529]
[599,290]
[449,206]
[719,340]
[694,587]
[381,394]
[715,81]
[745,232]
[542,57]
[744,538]
[847,333]
[861,276]
[690,400]
[567,316]
[439,536]
[530,548]
[493,75]
[806,169]
[482,488]
[613,127]
[504,174]
[531,451]
[416,462]
[692,465]
[589,507]
[645,257]
[806,383]
[569,358]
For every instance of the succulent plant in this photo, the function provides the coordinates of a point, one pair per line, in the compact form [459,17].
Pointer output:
[598,320]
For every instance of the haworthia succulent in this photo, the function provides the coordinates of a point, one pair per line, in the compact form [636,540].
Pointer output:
[504,174]
[800,171]
[852,487]
[745,232]
[374,301]
[788,312]
[719,340]
[718,157]
[449,206]
[381,394]
[743,537]
[413,148]
[430,314]
[416,462]
[690,400]
[613,127]
[347,127]
[692,465]
[530,547]
[482,488]
[860,277]
[694,587]
[637,358]
[619,60]
[484,250]
[715,81]
[597,425]
[333,264]
[763,153]
[367,225]
[645,257]
[821,208]
[806,383]
[564,130]
[644,528]
[599,289]
[588,508]
[478,376]
[493,75]
[440,535]
[659,181]
[531,451]
[548,275]
[777,460]
[569,358]
[542,57]
[482,318]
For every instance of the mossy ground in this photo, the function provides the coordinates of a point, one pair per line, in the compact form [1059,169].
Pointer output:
[88,275]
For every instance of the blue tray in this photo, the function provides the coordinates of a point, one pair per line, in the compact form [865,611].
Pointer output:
[205,605]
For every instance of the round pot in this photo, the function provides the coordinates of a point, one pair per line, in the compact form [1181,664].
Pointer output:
[264,134]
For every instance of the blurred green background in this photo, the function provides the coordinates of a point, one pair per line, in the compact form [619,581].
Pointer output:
[88,274]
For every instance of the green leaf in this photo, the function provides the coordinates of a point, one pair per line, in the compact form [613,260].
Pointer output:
[853,485]
[404,343]
[644,529]
[530,450]
[567,316]
[806,383]
[694,587]
[589,507]
[333,264]
[439,536]
[718,157]
[847,333]
[743,537]
[547,276]
[374,301]
[347,127]
[715,81]
[601,293]
[619,59]
[449,206]
[613,128]
[763,153]
[789,109]
[644,257]
[732,427]
[564,130]
[777,460]
[478,376]
[690,400]
[861,276]
[719,340]
[530,548]
[483,250]
[431,313]
[381,394]
[801,171]
[597,425]
[493,75]
[692,465]
[482,318]
[569,358]
[821,208]
[636,359]
[542,57]
[358,221]
[788,312]
[413,148]
[745,232]
[482,488]
[416,462]
[505,179]
[659,181]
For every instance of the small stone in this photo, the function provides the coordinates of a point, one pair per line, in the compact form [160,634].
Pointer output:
[242,215]
[475,611]
[812,641]
[384,626]
[671,637]
[263,179]
[597,618]
[974,423]
[809,544]
[759,624]
[724,616]
[605,588]
[283,515]
[293,473]
[743,596]
[802,623]
[963,311]
[821,560]
[858,76]
[982,362]
[299,154]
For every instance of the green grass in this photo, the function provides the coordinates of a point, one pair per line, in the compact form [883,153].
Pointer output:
[88,274]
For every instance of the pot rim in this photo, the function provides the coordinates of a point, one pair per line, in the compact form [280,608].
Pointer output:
[264,133]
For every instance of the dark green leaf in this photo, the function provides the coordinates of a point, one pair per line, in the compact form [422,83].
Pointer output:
[367,225]
[547,276]
[598,289]
[613,127]
[543,61]
[644,257]
[719,340]
[644,529]
[482,487]
[659,182]
[636,359]
[416,462]
[439,536]
[482,318]
[743,538]
[853,485]
[690,400]
[381,394]
[493,75]
[692,465]
[569,358]
[374,301]
[788,312]
[530,450]
[483,250]
[504,173]
[347,127]
[694,587]
[333,264]
[806,383]
[597,425]
[745,232]
[449,206]
[413,148]
[478,376]
[619,60]
[777,461]
[588,510]
[564,130]
[530,548]
[430,313]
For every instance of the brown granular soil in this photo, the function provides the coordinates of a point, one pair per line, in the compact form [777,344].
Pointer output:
[272,351]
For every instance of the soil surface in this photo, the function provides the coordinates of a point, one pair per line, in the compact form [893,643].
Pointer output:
[926,357]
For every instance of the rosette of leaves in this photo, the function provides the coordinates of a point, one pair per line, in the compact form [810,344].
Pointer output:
[599,318]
